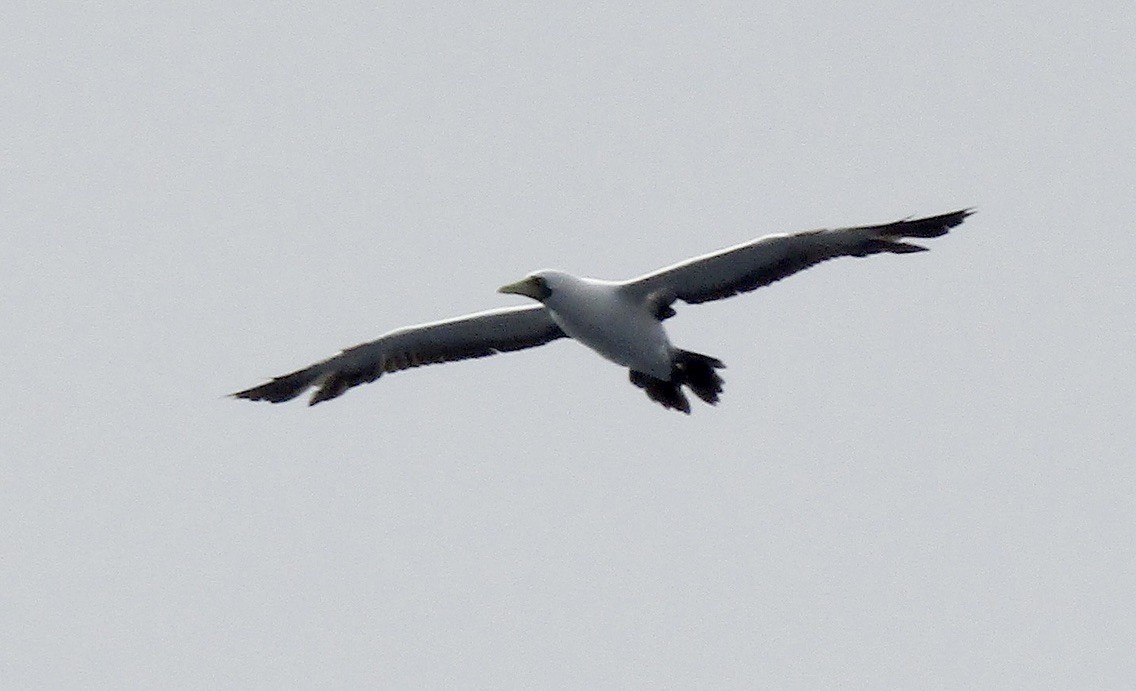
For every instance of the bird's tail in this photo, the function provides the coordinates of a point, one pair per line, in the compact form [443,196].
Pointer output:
[693,370]
[696,371]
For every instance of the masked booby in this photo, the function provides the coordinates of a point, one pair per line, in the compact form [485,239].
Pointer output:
[620,320]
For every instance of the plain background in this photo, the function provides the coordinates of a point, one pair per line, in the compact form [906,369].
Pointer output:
[921,473]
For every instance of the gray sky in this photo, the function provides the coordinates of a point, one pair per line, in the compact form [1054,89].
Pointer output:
[920,474]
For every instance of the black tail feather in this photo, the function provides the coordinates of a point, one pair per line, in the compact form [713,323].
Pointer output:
[697,372]
[693,370]
[666,393]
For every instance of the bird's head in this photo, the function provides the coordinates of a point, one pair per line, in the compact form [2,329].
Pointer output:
[537,285]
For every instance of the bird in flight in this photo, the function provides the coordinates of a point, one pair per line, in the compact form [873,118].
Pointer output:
[620,320]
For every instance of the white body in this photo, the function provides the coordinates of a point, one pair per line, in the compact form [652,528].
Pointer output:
[610,321]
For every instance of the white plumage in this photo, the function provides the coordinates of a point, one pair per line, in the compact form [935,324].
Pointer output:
[608,318]
[622,321]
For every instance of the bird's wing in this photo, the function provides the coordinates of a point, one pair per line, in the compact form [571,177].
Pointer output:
[470,336]
[758,263]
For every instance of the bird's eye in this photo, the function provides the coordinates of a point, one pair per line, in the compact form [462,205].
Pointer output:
[542,288]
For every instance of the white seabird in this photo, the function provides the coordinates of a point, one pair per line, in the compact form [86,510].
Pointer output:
[620,320]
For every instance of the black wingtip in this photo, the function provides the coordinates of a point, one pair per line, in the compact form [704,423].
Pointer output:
[930,226]
[955,218]
[279,389]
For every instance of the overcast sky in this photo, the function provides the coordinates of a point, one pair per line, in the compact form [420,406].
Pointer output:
[921,472]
